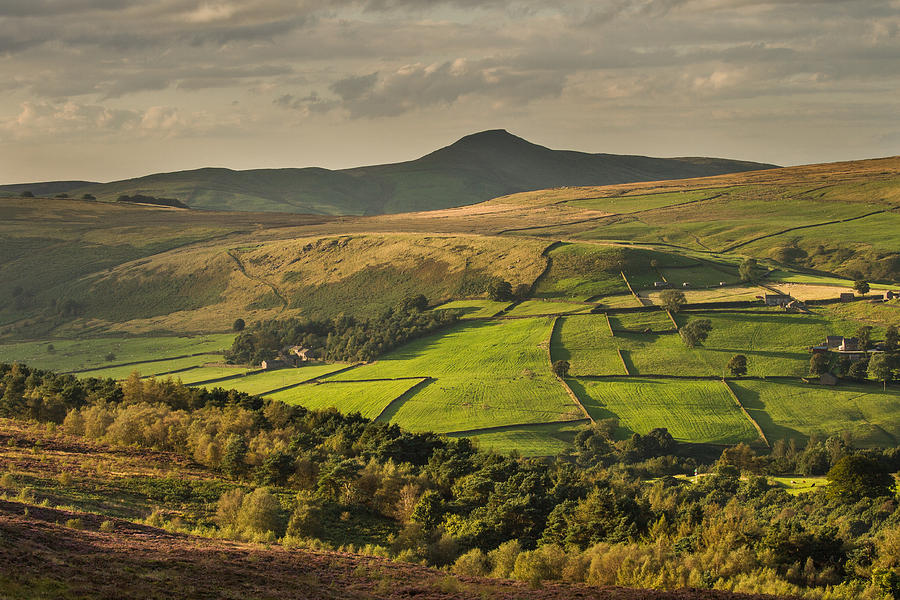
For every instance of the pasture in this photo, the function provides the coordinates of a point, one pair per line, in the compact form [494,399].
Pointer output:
[692,411]
[474,308]
[260,383]
[91,353]
[544,307]
[368,398]
[527,440]
[485,374]
[152,369]
[585,341]
[795,410]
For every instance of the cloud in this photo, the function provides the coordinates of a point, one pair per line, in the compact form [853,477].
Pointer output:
[417,86]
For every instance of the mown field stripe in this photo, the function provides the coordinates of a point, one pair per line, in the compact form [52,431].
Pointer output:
[740,405]
[390,410]
[311,379]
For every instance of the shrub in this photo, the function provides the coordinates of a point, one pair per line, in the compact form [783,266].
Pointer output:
[474,563]
[503,559]
[75,524]
[545,563]
[260,513]
[107,526]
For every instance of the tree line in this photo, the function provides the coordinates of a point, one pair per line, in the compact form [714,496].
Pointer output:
[342,338]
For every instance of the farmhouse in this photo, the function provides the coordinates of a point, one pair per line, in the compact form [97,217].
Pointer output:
[777,299]
[660,284]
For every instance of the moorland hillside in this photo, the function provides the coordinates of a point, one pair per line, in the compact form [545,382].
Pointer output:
[476,168]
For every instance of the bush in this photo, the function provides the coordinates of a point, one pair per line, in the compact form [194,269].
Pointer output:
[260,513]
[545,563]
[474,563]
[503,559]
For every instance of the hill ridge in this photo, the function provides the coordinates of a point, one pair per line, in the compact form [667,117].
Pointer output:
[473,169]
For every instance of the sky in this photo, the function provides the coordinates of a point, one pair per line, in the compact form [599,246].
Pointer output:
[110,89]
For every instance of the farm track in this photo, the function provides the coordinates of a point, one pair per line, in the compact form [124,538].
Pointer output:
[271,286]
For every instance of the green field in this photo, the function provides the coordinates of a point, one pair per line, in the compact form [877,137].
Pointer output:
[788,410]
[775,343]
[692,411]
[72,355]
[148,369]
[580,271]
[528,440]
[207,373]
[657,320]
[630,204]
[368,398]
[700,276]
[799,484]
[585,341]
[486,374]
[544,307]
[272,380]
[474,308]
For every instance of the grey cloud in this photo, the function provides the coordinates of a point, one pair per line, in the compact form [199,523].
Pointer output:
[354,87]
[418,86]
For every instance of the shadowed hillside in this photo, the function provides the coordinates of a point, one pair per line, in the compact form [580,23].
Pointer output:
[476,168]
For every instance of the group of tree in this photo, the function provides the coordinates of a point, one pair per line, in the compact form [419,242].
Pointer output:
[500,290]
[608,511]
[342,338]
[882,366]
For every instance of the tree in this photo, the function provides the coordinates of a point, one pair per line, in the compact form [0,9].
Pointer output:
[413,302]
[880,369]
[891,339]
[861,286]
[672,300]
[560,368]
[818,364]
[238,325]
[695,332]
[747,270]
[864,335]
[522,291]
[856,476]
[858,370]
[88,197]
[27,194]
[236,449]
[738,365]
[499,290]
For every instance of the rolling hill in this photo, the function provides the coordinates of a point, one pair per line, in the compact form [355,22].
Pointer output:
[476,168]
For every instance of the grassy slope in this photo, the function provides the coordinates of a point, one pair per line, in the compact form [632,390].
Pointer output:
[70,355]
[693,411]
[797,410]
[368,398]
[486,374]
